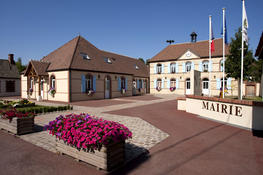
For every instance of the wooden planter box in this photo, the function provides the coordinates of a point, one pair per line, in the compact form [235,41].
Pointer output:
[18,126]
[108,158]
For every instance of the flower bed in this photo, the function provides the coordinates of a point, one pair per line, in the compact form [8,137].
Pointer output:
[16,104]
[90,139]
[17,122]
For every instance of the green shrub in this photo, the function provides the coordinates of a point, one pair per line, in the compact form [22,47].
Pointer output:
[45,109]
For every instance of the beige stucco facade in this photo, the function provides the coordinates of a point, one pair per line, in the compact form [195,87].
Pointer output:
[213,73]
[68,86]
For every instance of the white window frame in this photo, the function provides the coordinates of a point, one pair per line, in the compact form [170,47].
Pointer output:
[188,83]
[173,67]
[205,66]
[173,83]
[205,83]
[159,83]
[188,66]
[159,68]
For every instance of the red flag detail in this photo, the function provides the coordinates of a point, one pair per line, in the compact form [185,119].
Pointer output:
[212,46]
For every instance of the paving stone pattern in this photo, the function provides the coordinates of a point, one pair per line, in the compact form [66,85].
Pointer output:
[145,135]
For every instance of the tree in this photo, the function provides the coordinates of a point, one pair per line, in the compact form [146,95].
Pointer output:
[233,61]
[141,59]
[19,65]
[147,62]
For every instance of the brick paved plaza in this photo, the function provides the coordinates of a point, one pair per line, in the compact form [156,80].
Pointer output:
[165,141]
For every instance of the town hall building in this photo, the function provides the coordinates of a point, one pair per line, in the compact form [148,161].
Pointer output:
[185,69]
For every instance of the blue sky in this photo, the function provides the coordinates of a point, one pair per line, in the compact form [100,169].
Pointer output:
[32,29]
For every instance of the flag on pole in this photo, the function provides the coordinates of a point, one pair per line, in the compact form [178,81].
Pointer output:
[212,40]
[224,27]
[245,24]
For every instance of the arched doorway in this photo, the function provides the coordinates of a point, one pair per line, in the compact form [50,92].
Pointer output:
[107,87]
[205,86]
[188,86]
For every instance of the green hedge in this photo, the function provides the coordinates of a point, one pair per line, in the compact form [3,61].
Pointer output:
[44,109]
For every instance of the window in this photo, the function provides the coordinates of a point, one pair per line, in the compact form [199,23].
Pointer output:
[188,84]
[159,68]
[173,67]
[52,82]
[31,83]
[89,82]
[172,83]
[136,67]
[140,83]
[205,66]
[10,86]
[123,83]
[107,60]
[85,56]
[159,83]
[221,65]
[188,66]
[222,83]
[205,83]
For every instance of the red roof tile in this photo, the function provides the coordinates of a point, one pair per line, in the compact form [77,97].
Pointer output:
[201,48]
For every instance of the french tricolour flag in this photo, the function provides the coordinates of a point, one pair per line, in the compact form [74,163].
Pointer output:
[212,40]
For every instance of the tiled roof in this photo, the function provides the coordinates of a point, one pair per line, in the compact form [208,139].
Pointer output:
[201,48]
[8,70]
[40,67]
[69,57]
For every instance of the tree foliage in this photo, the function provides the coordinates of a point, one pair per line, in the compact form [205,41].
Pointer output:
[141,59]
[233,61]
[19,65]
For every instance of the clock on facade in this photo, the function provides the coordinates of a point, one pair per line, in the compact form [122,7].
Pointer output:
[188,54]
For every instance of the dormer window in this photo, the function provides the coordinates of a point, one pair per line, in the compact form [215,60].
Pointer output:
[136,67]
[85,56]
[108,60]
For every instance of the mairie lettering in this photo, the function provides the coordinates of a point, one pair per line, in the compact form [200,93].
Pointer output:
[223,108]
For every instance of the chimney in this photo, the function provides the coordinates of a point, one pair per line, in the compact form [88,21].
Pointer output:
[11,58]
[193,37]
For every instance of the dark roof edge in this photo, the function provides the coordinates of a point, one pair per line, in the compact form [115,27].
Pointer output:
[11,77]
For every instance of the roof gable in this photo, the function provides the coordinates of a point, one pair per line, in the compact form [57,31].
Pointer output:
[37,67]
[188,55]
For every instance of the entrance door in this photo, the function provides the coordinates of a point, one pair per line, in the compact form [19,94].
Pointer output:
[133,87]
[42,89]
[188,86]
[205,86]
[107,84]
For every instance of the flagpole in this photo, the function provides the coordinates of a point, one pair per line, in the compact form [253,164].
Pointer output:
[210,28]
[223,53]
[242,52]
